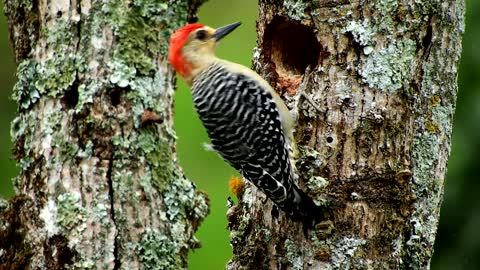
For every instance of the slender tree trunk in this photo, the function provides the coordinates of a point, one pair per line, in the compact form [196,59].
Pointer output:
[99,184]
[382,75]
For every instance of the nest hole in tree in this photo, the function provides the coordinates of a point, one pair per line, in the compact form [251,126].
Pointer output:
[293,46]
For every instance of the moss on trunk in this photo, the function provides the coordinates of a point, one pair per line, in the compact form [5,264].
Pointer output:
[99,183]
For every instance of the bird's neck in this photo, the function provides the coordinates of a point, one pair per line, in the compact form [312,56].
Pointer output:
[198,63]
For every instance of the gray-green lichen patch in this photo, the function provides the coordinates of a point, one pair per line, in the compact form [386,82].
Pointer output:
[159,174]
[145,96]
[140,39]
[60,57]
[237,236]
[157,251]
[22,129]
[184,203]
[425,7]
[3,204]
[141,44]
[296,9]
[84,263]
[24,91]
[390,68]
[70,211]
[65,213]
[29,126]
[317,184]
[100,210]
[362,32]
[85,94]
[201,207]
[158,151]
[37,77]
[122,73]
[309,160]
[242,218]
[426,145]
[294,255]
[180,194]
[52,82]
[344,250]
[387,6]
[122,182]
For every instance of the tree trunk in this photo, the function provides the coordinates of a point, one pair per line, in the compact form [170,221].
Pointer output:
[373,140]
[99,184]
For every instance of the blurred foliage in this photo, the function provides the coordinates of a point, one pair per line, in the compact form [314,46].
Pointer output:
[458,243]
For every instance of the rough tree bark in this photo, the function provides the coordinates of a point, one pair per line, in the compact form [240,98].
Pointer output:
[383,76]
[99,184]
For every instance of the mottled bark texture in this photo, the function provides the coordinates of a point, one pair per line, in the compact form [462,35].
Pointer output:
[99,184]
[382,75]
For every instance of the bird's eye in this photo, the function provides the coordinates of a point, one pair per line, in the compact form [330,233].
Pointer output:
[202,35]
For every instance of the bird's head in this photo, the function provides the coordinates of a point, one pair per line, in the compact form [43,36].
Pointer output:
[192,47]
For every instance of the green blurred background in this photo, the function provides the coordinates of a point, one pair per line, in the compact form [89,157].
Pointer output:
[458,239]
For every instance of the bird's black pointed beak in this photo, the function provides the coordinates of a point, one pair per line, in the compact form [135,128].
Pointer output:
[225,30]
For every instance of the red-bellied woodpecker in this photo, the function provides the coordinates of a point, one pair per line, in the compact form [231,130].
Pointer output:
[247,122]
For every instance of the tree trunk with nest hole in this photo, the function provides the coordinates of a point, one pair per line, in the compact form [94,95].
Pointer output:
[373,133]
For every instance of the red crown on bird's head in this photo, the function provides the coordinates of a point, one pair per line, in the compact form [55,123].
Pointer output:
[177,41]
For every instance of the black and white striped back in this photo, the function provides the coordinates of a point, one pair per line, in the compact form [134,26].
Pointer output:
[244,125]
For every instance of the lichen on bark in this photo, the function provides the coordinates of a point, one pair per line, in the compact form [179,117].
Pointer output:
[99,180]
[374,146]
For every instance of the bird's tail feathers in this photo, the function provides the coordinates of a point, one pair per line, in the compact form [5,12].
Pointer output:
[288,197]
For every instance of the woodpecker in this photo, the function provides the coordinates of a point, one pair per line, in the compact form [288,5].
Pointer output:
[247,122]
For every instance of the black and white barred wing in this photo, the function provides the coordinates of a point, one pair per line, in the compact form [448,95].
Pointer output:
[244,126]
[243,123]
